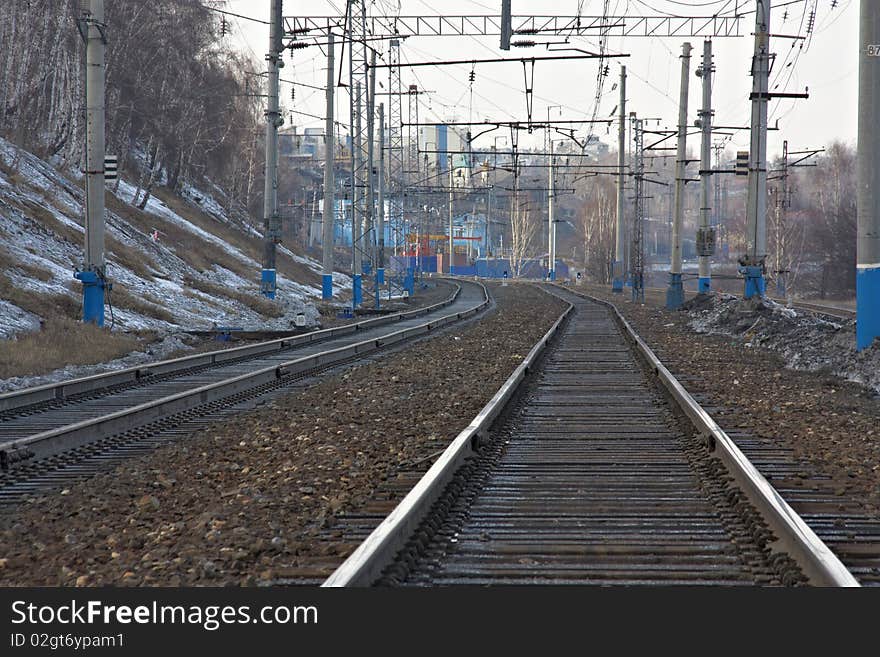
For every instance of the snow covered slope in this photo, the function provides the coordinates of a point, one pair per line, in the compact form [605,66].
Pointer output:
[188,266]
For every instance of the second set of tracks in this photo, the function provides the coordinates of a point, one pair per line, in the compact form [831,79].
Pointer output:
[56,433]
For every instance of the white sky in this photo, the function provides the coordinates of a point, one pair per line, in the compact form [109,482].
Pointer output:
[829,67]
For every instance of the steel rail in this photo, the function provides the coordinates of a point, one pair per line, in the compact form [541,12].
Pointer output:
[794,536]
[378,550]
[49,443]
[62,390]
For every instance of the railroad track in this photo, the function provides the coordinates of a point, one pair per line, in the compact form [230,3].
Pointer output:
[58,432]
[592,465]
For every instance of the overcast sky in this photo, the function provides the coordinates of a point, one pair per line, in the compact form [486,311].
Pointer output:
[827,64]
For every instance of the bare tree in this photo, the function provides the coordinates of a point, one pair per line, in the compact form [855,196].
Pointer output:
[598,216]
[522,233]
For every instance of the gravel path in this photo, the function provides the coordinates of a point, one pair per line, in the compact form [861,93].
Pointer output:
[830,424]
[252,500]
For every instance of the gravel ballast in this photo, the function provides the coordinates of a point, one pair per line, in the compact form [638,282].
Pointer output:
[250,501]
[831,425]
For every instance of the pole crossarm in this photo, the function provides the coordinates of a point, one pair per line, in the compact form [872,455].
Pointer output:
[498,60]
[490,25]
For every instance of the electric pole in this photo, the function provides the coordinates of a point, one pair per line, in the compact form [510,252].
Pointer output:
[93,274]
[781,205]
[637,255]
[357,193]
[451,198]
[370,230]
[868,246]
[675,291]
[380,206]
[271,218]
[752,264]
[706,233]
[551,226]
[329,178]
[619,253]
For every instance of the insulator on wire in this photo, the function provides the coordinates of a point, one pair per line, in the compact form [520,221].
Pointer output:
[472,76]
[523,43]
[298,45]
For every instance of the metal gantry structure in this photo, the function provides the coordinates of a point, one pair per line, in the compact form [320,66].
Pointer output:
[406,208]
[396,151]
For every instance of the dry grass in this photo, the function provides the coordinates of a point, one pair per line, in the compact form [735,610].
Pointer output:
[130,258]
[188,246]
[9,262]
[247,244]
[51,223]
[61,342]
[47,306]
[252,300]
[144,304]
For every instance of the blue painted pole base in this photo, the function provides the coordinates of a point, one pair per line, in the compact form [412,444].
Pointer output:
[675,292]
[327,287]
[552,275]
[705,285]
[755,285]
[93,296]
[867,306]
[409,283]
[380,275]
[357,294]
[617,285]
[268,283]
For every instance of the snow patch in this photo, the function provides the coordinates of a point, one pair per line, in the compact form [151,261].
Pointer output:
[805,340]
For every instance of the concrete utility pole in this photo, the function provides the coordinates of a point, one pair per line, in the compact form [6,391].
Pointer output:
[380,206]
[752,263]
[781,194]
[356,215]
[551,225]
[370,230]
[451,198]
[271,218]
[93,274]
[329,178]
[675,291]
[620,244]
[706,234]
[637,255]
[488,222]
[868,246]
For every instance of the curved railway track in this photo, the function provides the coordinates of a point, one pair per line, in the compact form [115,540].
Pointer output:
[592,465]
[67,430]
